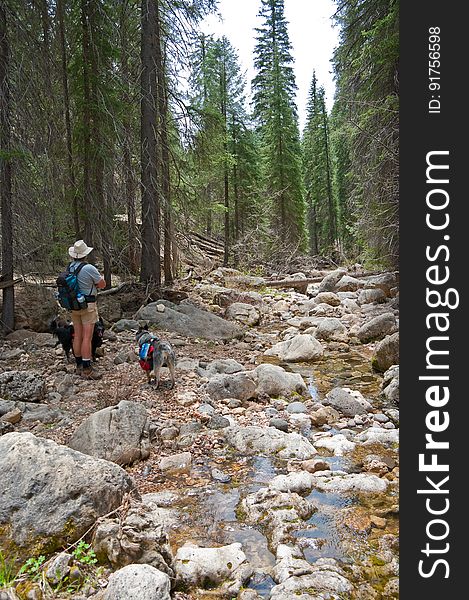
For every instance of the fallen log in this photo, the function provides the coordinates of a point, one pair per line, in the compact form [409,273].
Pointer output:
[302,284]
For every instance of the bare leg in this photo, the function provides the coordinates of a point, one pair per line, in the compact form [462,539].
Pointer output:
[77,338]
[88,329]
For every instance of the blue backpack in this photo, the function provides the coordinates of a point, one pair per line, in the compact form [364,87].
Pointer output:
[68,289]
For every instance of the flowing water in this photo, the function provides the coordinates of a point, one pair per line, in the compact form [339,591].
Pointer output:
[208,514]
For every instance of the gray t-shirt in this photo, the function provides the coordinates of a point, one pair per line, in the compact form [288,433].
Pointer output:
[88,277]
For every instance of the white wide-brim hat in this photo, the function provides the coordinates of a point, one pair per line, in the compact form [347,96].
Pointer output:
[79,249]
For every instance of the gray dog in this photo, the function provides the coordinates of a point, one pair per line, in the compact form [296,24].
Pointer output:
[154,354]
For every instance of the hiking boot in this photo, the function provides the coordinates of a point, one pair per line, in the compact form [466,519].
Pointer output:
[79,370]
[91,373]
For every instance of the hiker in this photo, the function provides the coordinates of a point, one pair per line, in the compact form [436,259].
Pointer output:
[89,279]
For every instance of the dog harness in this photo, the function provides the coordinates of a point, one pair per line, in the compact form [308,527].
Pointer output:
[145,354]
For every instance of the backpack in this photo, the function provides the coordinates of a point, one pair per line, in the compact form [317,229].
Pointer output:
[68,290]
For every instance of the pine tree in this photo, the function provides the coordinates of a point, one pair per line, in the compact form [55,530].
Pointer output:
[317,172]
[217,108]
[366,65]
[341,170]
[276,114]
[150,263]
[6,209]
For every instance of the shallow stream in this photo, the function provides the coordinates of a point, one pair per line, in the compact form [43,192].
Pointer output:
[208,514]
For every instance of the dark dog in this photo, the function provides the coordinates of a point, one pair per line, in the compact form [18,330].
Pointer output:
[154,354]
[64,332]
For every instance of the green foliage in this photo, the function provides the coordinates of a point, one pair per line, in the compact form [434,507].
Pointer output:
[32,567]
[8,571]
[276,114]
[317,173]
[366,65]
[223,152]
[84,553]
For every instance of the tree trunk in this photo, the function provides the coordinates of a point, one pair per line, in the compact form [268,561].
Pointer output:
[313,230]
[70,183]
[8,309]
[150,261]
[223,93]
[107,212]
[330,201]
[100,212]
[208,196]
[129,177]
[88,200]
[164,149]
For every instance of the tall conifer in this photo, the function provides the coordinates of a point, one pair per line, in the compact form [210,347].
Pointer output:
[276,113]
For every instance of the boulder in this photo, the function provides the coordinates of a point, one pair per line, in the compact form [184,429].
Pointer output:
[35,306]
[42,413]
[386,353]
[243,313]
[327,298]
[385,282]
[255,440]
[138,537]
[236,385]
[176,463]
[10,353]
[377,328]
[138,582]
[323,579]
[337,444]
[349,284]
[125,325]
[296,408]
[300,348]
[19,336]
[58,567]
[188,320]
[324,415]
[331,329]
[277,513]
[378,435]
[353,483]
[225,297]
[350,306]
[348,402]
[315,464]
[110,308]
[330,281]
[300,482]
[279,424]
[390,385]
[371,295]
[226,366]
[279,307]
[70,490]
[275,381]
[213,567]
[326,310]
[117,433]
[218,422]
[22,386]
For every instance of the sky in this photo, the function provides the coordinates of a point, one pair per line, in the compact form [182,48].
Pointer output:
[311,34]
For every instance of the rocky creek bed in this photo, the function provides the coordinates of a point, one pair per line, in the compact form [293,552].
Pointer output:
[270,471]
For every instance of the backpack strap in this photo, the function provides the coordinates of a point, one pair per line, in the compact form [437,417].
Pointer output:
[76,270]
